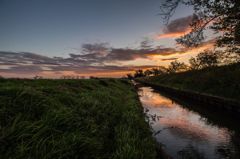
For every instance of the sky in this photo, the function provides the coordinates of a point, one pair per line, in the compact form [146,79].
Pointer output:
[53,38]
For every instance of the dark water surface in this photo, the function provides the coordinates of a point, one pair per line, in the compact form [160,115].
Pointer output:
[185,133]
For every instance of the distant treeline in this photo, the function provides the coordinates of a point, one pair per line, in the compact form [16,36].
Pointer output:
[205,59]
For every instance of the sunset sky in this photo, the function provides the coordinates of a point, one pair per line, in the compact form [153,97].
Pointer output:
[49,38]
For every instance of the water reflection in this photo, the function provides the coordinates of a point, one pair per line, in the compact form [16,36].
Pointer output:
[185,133]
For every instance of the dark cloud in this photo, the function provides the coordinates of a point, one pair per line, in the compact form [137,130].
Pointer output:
[177,27]
[95,58]
[21,69]
[120,54]
[24,58]
[22,63]
[170,59]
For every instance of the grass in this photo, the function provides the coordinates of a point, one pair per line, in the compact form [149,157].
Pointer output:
[87,119]
[220,81]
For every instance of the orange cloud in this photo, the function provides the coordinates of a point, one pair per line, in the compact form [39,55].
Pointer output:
[183,54]
[173,34]
[176,28]
[28,65]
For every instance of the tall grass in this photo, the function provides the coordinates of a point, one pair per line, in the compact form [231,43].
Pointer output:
[87,119]
[220,81]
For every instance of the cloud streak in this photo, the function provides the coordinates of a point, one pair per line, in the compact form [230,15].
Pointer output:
[92,55]
[93,60]
[177,28]
[23,64]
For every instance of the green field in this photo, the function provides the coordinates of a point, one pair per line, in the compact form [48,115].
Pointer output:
[95,119]
[223,81]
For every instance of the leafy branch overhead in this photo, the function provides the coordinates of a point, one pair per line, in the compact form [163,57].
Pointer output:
[222,16]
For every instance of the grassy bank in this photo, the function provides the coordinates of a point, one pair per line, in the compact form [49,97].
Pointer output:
[219,81]
[72,119]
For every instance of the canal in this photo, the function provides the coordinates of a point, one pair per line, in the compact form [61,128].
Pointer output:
[189,130]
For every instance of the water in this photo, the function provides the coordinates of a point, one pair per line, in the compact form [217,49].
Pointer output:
[185,133]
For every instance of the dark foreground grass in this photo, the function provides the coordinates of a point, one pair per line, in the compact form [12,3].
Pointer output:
[221,81]
[84,119]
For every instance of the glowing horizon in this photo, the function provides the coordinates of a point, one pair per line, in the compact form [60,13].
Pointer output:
[38,39]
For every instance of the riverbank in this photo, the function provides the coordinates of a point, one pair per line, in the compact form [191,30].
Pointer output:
[217,86]
[220,81]
[95,118]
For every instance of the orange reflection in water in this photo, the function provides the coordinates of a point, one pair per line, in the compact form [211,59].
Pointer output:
[152,99]
[197,131]
[181,121]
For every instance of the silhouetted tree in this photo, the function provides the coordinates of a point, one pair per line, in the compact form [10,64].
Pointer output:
[194,63]
[222,16]
[37,77]
[177,66]
[207,58]
[225,57]
[130,76]
[155,71]
[148,72]
[138,73]
[162,70]
[92,77]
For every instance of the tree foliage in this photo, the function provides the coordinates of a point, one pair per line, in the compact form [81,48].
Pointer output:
[148,73]
[177,66]
[139,73]
[222,16]
[207,58]
[130,76]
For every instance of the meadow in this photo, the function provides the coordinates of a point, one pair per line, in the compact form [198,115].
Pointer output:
[220,81]
[91,118]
